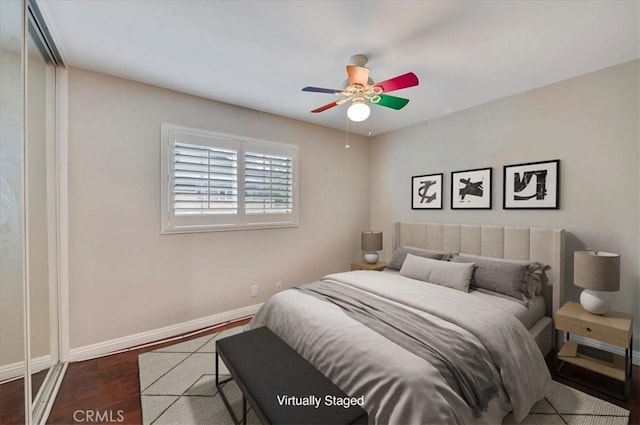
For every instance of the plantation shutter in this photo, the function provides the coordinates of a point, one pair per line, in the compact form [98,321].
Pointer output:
[205,180]
[215,182]
[268,183]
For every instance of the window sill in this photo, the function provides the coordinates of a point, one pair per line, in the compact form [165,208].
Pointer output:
[227,227]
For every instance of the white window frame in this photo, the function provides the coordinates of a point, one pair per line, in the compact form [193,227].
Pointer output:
[172,223]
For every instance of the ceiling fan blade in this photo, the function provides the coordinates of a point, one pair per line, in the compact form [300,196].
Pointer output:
[358,75]
[325,107]
[400,82]
[392,102]
[320,90]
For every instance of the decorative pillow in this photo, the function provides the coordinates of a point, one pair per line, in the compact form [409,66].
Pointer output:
[537,277]
[401,253]
[519,279]
[444,273]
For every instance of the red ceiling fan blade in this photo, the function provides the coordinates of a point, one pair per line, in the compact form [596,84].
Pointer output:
[400,82]
[325,107]
[358,75]
[320,90]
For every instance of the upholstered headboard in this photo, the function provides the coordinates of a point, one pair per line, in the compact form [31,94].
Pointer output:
[517,243]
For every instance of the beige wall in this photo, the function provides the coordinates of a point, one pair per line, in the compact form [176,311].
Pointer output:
[590,123]
[125,277]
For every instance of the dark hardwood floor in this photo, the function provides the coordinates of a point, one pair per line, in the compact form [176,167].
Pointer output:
[108,387]
[12,402]
[12,398]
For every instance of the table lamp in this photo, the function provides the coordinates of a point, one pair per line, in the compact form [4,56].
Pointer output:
[371,243]
[598,272]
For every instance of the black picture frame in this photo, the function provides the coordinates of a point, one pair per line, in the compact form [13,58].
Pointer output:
[472,189]
[426,192]
[532,186]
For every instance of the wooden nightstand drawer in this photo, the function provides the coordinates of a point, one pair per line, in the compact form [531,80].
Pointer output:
[613,328]
[361,265]
[593,330]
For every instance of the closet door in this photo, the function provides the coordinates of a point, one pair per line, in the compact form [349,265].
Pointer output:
[12,223]
[41,213]
[29,353]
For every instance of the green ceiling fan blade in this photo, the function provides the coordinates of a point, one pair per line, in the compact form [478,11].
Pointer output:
[392,102]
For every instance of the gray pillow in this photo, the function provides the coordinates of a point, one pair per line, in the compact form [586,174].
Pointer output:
[537,277]
[519,279]
[444,273]
[401,253]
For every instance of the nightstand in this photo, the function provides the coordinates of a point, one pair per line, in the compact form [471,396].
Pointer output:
[613,328]
[361,265]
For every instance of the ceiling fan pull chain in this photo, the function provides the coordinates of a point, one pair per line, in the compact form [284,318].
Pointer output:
[347,146]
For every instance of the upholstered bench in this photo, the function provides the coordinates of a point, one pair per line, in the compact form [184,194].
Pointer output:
[273,378]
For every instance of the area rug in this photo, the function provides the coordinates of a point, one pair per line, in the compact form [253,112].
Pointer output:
[177,386]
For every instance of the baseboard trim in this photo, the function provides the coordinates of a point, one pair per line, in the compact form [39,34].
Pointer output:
[635,355]
[15,370]
[108,347]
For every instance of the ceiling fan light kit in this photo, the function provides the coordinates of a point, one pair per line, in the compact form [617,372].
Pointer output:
[358,111]
[360,90]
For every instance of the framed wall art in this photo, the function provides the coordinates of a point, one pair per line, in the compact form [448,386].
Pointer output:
[534,185]
[426,192]
[471,189]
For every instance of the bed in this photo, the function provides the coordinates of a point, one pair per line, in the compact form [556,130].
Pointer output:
[425,353]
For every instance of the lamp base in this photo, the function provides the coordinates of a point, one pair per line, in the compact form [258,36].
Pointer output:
[371,257]
[595,302]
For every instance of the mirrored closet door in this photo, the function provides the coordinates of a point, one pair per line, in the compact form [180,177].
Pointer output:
[41,215]
[12,262]
[29,334]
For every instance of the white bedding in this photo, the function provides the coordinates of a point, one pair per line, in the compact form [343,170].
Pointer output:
[399,387]
[527,316]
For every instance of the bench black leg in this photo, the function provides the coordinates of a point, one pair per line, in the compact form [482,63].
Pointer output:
[219,385]
[244,411]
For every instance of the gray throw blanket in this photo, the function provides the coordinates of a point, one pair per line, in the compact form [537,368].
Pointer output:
[446,348]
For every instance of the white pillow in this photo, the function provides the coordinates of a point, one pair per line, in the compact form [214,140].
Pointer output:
[452,275]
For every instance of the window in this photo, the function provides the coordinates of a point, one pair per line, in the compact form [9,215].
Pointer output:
[214,181]
[205,180]
[268,183]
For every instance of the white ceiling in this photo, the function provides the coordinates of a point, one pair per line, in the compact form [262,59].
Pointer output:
[259,54]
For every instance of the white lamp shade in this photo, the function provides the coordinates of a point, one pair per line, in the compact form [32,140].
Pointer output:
[358,112]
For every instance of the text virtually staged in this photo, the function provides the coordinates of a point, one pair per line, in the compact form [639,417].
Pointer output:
[313,400]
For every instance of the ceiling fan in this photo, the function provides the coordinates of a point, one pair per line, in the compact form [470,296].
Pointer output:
[361,90]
